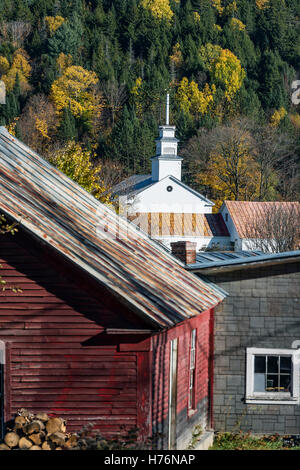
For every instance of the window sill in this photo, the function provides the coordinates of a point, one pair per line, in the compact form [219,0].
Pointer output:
[267,400]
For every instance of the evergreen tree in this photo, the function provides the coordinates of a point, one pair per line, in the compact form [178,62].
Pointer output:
[67,128]
[67,38]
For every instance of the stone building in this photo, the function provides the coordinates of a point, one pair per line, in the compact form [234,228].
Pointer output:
[256,339]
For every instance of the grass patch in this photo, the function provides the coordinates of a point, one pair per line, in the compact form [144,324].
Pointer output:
[246,441]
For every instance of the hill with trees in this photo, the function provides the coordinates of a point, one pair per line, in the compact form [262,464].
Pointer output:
[90,77]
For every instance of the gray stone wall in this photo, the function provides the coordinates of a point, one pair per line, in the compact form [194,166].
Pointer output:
[185,426]
[262,310]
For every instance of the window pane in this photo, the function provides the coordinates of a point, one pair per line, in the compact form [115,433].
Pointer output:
[191,380]
[272,364]
[272,383]
[285,364]
[193,339]
[260,364]
[285,383]
[259,383]
[192,365]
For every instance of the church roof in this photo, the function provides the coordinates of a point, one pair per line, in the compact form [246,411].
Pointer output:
[162,224]
[55,210]
[132,185]
[137,183]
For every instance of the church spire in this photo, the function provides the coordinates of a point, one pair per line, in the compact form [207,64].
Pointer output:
[167,109]
[166,162]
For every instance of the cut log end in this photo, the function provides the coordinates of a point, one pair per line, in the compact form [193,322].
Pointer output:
[11,439]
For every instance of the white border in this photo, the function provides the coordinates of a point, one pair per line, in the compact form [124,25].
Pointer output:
[272,398]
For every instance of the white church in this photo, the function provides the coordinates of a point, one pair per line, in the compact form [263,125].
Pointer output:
[166,208]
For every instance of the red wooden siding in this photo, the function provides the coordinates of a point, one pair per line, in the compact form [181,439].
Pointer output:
[161,348]
[56,362]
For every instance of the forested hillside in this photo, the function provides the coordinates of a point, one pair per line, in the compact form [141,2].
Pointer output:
[86,83]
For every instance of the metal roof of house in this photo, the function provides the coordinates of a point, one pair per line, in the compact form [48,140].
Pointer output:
[245,213]
[218,260]
[220,256]
[133,268]
[165,224]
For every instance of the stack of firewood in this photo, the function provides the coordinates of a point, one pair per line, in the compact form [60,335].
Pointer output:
[38,432]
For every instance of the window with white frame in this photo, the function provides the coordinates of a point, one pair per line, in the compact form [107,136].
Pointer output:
[272,376]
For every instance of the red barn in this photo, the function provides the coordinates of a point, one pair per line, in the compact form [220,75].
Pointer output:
[109,328]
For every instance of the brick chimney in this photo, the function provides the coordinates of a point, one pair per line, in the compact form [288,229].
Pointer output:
[185,251]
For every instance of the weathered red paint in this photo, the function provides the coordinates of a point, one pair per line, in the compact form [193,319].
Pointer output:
[60,361]
[144,383]
[161,352]
[47,330]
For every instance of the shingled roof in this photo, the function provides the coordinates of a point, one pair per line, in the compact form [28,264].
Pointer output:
[160,224]
[107,247]
[245,212]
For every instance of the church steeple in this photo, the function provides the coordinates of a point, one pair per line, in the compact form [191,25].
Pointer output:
[167,109]
[166,161]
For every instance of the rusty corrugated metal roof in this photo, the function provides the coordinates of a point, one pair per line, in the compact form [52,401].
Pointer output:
[160,224]
[245,213]
[135,269]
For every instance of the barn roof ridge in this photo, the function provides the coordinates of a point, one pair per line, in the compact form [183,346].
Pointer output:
[123,259]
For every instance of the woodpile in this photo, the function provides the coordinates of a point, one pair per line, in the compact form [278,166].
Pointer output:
[38,432]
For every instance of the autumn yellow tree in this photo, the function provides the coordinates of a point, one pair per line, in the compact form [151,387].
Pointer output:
[76,89]
[161,9]
[262,4]
[4,65]
[295,120]
[237,24]
[231,174]
[20,66]
[217,4]
[192,100]
[230,170]
[224,67]
[63,61]
[137,95]
[230,9]
[77,164]
[53,23]
[277,116]
[38,123]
